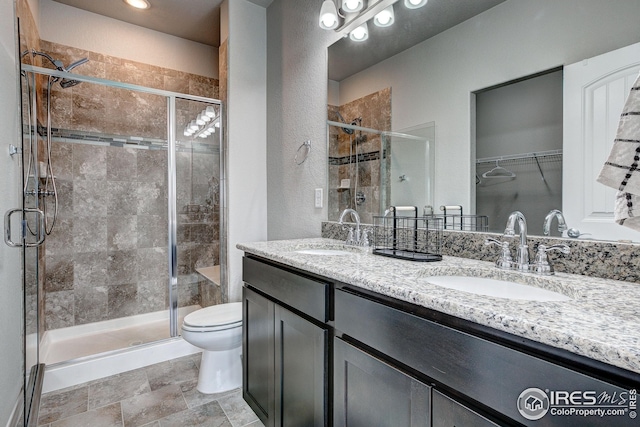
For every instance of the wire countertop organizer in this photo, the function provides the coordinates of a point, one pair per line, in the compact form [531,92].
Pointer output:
[408,237]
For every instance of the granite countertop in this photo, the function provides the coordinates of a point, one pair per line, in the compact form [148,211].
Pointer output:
[601,321]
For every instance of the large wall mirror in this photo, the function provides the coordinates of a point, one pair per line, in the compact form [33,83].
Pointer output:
[432,65]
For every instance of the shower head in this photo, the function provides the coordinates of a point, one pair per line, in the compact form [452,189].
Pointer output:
[348,131]
[65,83]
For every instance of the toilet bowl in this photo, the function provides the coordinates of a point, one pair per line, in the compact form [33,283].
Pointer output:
[217,330]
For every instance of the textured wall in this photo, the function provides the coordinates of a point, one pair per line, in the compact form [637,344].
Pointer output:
[11,307]
[297,93]
[246,145]
[76,27]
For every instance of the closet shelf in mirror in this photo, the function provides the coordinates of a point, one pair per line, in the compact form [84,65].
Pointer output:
[539,155]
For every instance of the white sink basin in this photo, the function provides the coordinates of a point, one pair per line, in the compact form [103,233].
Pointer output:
[325,252]
[496,288]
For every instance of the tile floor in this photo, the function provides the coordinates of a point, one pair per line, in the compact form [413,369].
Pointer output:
[160,395]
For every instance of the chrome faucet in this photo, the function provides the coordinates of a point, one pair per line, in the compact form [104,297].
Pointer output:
[522,257]
[554,213]
[354,238]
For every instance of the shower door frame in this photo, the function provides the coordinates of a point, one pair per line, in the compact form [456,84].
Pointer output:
[171,177]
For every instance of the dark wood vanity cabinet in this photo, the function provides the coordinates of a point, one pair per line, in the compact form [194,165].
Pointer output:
[447,412]
[370,392]
[318,353]
[285,352]
[478,378]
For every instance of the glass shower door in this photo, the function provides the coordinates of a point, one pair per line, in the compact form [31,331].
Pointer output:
[198,205]
[33,230]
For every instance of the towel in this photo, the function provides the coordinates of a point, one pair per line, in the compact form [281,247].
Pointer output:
[621,170]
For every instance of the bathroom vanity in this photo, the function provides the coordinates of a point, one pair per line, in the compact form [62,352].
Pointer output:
[334,335]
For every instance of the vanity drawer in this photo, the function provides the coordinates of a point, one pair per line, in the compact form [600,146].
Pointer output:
[302,293]
[487,372]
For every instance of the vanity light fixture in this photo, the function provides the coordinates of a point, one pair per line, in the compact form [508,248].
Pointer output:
[354,15]
[138,4]
[414,4]
[385,18]
[360,34]
[205,123]
[329,15]
[350,6]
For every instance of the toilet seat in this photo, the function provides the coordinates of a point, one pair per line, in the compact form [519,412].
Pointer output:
[215,318]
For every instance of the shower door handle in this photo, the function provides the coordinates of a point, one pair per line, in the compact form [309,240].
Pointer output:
[7,228]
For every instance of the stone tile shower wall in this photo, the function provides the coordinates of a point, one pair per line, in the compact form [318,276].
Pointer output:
[198,205]
[107,256]
[97,108]
[375,111]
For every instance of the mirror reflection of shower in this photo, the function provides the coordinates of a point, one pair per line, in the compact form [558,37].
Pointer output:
[44,182]
[358,197]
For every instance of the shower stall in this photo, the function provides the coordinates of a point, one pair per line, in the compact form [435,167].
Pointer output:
[124,212]
[370,170]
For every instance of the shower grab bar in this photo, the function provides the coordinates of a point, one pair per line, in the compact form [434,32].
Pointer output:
[7,228]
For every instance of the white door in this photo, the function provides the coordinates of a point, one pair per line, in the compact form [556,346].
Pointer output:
[594,94]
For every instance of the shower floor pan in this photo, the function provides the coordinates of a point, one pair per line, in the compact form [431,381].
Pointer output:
[65,344]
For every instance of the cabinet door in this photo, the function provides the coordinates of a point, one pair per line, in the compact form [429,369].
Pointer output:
[301,371]
[258,355]
[449,413]
[369,392]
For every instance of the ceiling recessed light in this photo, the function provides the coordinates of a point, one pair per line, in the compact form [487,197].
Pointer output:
[138,4]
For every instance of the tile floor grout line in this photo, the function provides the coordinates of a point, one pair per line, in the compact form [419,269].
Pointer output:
[121,413]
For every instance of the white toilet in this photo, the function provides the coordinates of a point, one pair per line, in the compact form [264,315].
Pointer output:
[218,331]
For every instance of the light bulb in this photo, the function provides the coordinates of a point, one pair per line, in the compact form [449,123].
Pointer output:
[360,34]
[204,116]
[352,5]
[328,20]
[193,125]
[199,120]
[384,18]
[210,111]
[187,132]
[414,4]
[328,15]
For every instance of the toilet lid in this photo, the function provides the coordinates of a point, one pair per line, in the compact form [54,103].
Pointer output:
[216,315]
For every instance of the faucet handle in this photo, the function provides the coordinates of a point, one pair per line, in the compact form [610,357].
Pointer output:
[364,237]
[350,239]
[560,247]
[505,261]
[542,265]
